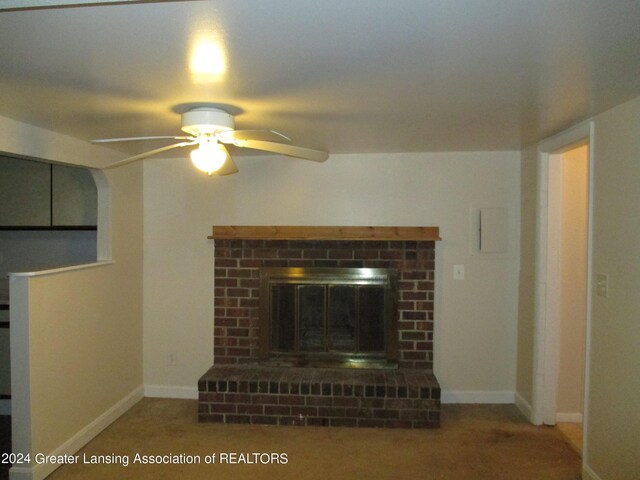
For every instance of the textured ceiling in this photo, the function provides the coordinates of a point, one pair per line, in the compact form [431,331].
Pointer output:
[350,76]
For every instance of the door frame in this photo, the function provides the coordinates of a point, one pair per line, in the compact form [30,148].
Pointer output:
[546,323]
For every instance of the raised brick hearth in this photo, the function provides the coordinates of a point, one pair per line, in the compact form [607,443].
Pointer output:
[406,398]
[239,389]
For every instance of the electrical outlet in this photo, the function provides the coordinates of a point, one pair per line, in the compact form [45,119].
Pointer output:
[458,272]
[172,359]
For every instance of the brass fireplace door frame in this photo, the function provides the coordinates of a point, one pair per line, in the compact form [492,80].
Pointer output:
[387,278]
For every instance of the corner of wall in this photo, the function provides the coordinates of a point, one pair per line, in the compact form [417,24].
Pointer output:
[524,406]
[526,287]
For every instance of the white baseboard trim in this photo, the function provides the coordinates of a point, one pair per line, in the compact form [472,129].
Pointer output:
[5,406]
[171,391]
[525,407]
[588,473]
[475,396]
[569,417]
[79,440]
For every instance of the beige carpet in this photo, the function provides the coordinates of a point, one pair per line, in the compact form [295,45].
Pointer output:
[475,442]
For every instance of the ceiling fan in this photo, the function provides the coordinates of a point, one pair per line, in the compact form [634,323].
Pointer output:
[210,129]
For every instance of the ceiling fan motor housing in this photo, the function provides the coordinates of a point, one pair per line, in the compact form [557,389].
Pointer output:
[205,120]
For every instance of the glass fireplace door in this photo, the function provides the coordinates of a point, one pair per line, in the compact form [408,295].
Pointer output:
[321,314]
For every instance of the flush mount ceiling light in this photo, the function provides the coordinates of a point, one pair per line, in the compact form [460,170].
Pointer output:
[211,128]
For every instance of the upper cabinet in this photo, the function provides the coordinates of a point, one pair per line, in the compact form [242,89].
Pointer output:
[74,198]
[44,196]
[25,193]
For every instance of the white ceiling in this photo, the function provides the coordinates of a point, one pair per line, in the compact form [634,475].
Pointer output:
[350,76]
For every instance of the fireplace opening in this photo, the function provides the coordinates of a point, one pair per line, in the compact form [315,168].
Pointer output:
[342,317]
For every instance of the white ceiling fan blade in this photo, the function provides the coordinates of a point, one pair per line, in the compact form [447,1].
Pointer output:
[230,136]
[289,150]
[228,168]
[148,154]
[135,139]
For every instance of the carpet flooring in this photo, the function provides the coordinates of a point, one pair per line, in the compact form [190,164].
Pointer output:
[475,442]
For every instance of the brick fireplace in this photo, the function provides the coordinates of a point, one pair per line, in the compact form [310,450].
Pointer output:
[242,388]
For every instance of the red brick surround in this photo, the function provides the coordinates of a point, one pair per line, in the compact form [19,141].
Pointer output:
[237,283]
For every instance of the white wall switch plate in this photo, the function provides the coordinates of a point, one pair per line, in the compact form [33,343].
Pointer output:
[458,272]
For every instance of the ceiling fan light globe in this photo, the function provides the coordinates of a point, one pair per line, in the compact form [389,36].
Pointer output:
[209,158]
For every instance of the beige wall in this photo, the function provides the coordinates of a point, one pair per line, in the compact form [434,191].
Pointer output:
[85,353]
[77,335]
[475,346]
[613,442]
[573,273]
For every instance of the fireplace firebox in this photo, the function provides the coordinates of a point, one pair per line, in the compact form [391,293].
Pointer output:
[328,317]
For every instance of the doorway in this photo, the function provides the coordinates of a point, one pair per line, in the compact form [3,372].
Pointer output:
[568,232]
[563,281]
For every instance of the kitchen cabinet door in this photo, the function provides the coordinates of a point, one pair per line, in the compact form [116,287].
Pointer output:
[25,193]
[74,198]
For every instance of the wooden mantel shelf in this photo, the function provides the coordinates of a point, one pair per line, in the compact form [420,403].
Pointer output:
[324,233]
